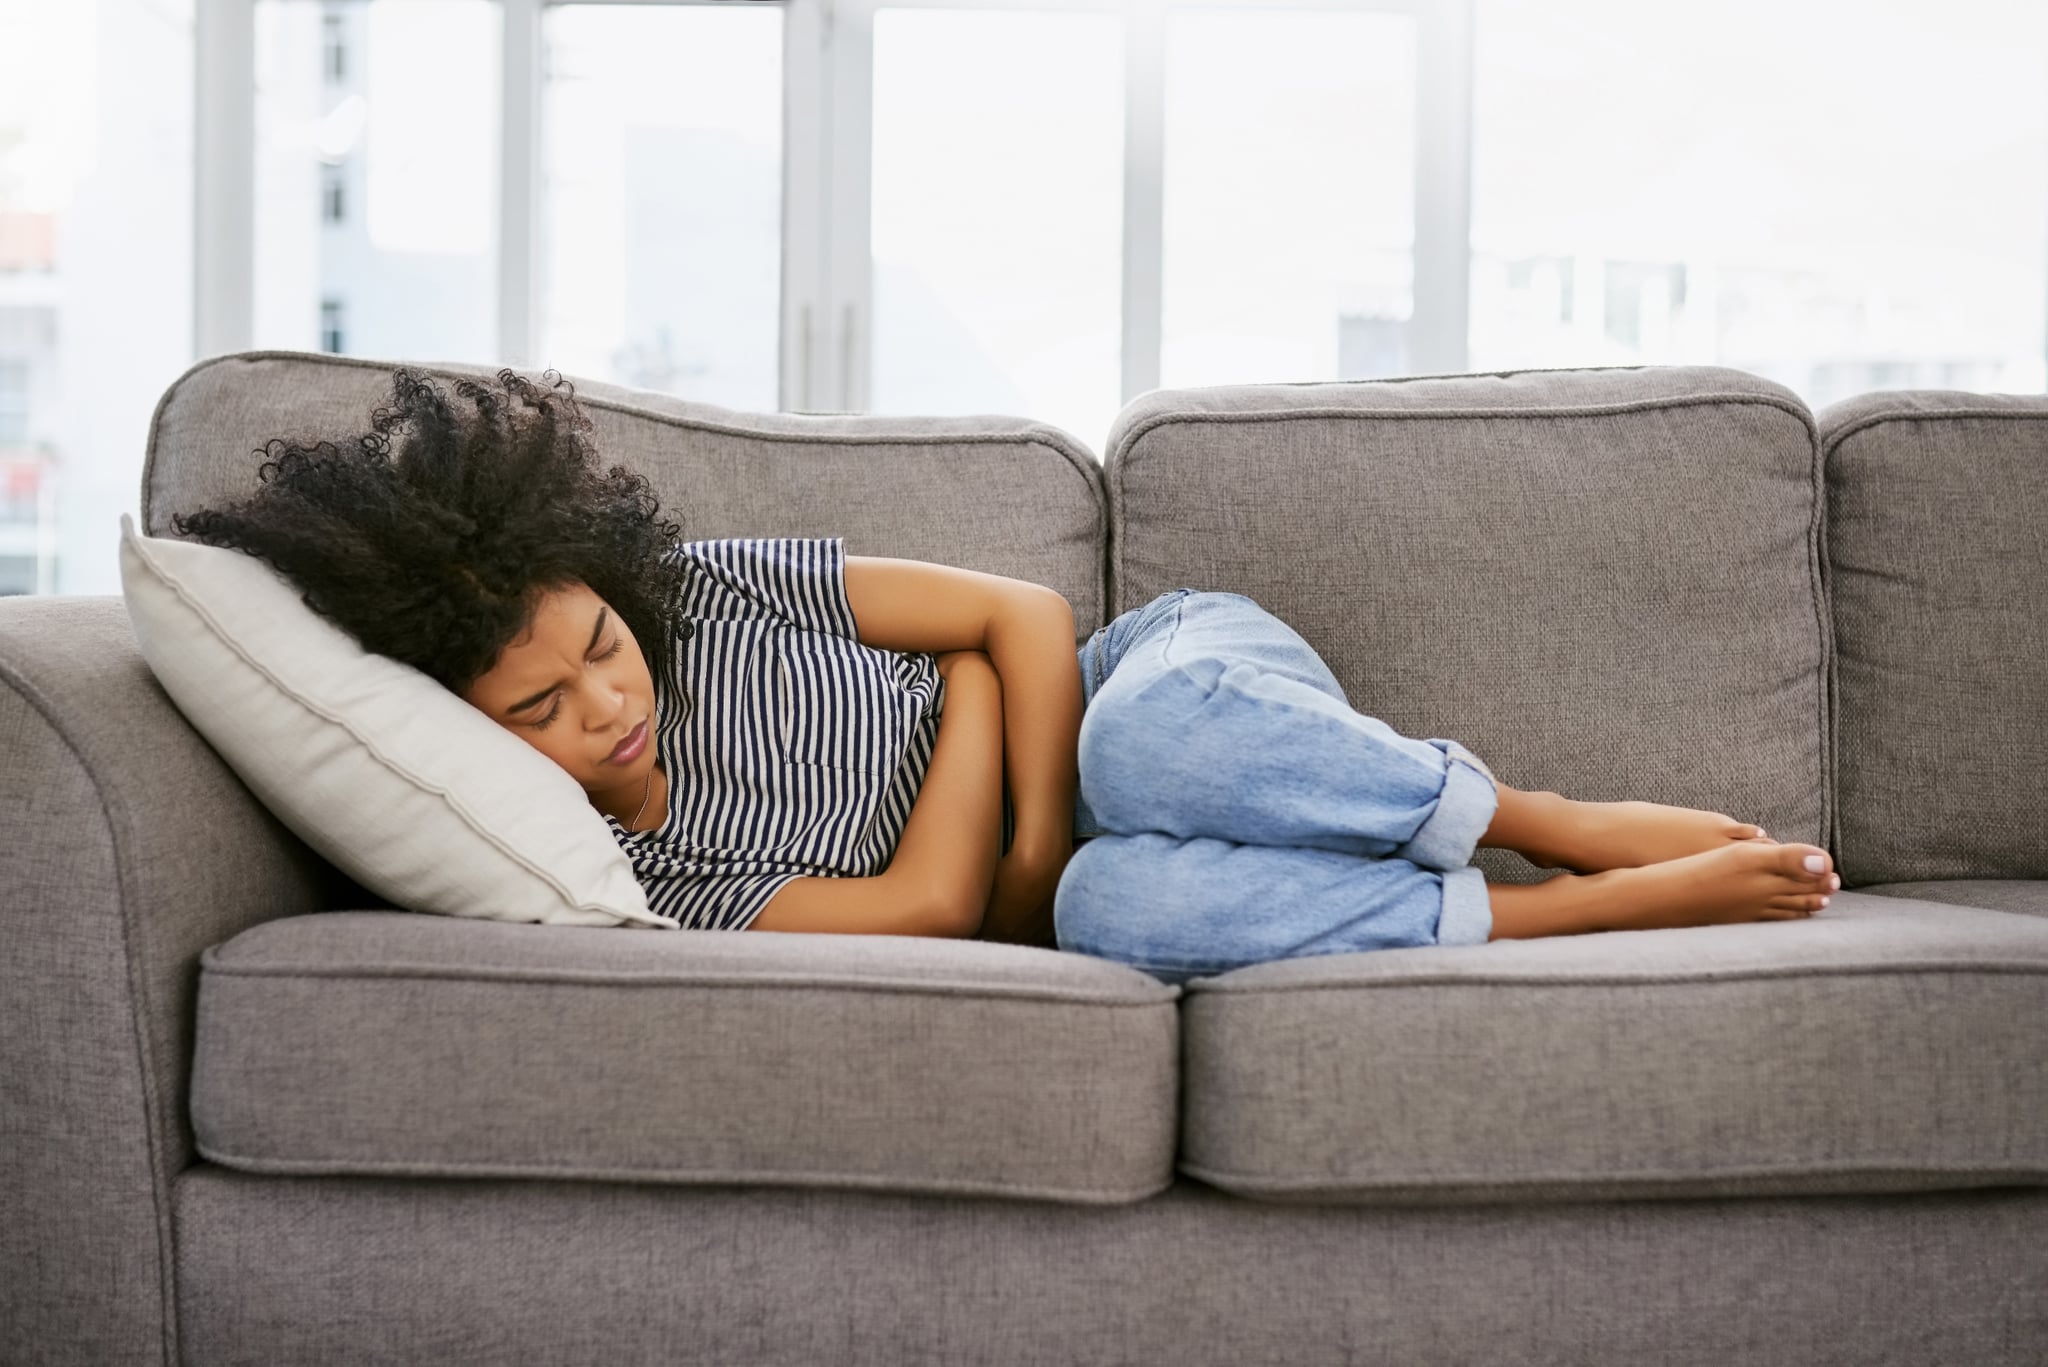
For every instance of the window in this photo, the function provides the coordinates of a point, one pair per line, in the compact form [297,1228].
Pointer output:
[13,402]
[1290,196]
[997,215]
[662,198]
[333,47]
[401,162]
[331,338]
[17,574]
[1657,187]
[1219,193]
[334,182]
[96,273]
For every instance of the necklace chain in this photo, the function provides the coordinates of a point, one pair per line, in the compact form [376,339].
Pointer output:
[643,799]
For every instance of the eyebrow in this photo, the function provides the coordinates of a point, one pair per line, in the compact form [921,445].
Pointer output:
[595,632]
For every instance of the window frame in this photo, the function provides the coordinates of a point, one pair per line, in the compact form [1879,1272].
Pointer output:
[826,358]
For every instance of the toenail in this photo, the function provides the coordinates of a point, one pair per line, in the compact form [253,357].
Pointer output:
[1823,901]
[1815,863]
[1835,880]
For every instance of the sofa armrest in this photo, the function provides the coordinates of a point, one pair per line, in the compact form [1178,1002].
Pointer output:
[127,846]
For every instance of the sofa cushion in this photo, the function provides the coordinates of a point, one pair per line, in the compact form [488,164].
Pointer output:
[393,1043]
[418,795]
[1884,1045]
[1937,564]
[1004,495]
[2027,896]
[1604,582]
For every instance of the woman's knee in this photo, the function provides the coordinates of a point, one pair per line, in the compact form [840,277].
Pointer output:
[1113,752]
[1098,878]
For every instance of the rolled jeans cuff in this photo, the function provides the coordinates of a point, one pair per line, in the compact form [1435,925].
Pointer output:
[1464,810]
[1467,917]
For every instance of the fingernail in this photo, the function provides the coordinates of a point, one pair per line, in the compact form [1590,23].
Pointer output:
[1815,863]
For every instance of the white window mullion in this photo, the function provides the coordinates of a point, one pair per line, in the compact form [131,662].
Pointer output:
[519,181]
[1144,189]
[806,348]
[224,177]
[850,54]
[1438,329]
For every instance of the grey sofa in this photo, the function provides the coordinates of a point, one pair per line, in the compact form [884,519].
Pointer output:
[253,1114]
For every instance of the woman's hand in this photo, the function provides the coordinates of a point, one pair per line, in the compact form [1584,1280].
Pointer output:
[1020,908]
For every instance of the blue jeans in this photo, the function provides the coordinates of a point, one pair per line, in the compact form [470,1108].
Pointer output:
[1235,809]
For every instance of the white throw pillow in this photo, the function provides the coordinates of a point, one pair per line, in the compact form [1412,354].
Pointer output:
[407,788]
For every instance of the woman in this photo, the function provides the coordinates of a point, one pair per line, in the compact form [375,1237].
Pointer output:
[757,720]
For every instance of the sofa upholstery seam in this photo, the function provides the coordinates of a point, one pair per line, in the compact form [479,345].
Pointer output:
[1617,409]
[1823,612]
[556,976]
[141,1008]
[1738,977]
[669,1176]
[1835,438]
[1262,1180]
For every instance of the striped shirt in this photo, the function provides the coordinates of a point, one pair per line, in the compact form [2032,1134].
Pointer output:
[791,749]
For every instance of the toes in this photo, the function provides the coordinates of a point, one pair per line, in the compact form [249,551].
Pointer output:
[1794,860]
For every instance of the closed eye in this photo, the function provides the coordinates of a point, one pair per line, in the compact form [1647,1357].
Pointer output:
[556,711]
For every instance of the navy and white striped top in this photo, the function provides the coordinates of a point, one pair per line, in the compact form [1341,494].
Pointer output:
[791,749]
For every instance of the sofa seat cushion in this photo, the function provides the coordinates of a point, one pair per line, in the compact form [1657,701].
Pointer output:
[2028,896]
[1884,1045]
[390,1042]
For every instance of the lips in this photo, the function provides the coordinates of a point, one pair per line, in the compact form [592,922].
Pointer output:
[629,748]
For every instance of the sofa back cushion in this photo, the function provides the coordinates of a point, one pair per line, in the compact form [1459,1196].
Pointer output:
[1937,540]
[998,494]
[1604,582]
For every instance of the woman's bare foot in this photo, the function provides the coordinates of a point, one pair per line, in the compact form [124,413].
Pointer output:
[1742,880]
[1553,831]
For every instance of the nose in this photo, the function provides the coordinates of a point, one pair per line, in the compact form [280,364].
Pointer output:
[611,703]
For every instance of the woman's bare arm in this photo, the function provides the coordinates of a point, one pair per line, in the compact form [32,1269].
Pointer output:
[954,835]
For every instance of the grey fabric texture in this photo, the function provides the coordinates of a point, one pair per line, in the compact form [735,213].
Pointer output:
[129,847]
[1002,495]
[2027,896]
[478,1274]
[394,1043]
[1604,582]
[1938,575]
[1883,1045]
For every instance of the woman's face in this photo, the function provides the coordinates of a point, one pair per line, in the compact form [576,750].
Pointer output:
[573,687]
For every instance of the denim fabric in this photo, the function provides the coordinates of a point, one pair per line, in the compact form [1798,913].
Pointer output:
[1238,810]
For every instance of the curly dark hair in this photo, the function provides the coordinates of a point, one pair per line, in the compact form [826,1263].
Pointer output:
[439,555]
